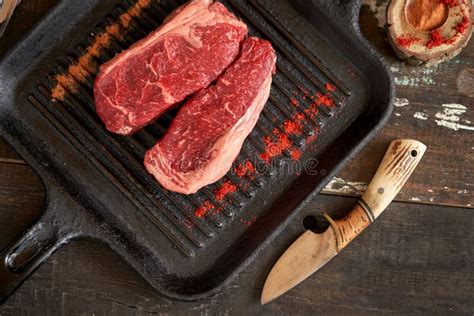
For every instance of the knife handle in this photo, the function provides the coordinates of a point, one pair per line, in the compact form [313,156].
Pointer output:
[401,158]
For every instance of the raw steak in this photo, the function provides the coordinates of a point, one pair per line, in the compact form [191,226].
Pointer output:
[191,49]
[207,134]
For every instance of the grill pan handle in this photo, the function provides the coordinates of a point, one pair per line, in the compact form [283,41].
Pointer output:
[348,10]
[24,255]
[345,12]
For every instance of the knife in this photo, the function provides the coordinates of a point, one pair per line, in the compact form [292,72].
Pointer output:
[311,251]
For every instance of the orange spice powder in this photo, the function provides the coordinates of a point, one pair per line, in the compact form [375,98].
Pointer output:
[124,20]
[426,15]
[85,66]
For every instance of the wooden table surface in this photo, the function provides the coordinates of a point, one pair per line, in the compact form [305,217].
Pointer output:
[417,258]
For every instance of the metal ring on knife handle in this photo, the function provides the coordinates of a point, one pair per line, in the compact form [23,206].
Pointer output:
[399,162]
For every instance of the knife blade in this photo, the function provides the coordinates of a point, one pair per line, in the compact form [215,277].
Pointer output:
[311,251]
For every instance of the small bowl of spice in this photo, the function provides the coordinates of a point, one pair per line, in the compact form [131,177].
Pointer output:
[429,31]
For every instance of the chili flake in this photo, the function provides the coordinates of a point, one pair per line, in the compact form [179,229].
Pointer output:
[330,87]
[247,168]
[406,41]
[227,188]
[204,209]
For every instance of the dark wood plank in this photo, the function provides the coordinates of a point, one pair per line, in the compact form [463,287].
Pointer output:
[21,200]
[409,261]
[8,154]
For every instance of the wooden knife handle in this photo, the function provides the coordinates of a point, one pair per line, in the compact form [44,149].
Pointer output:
[400,160]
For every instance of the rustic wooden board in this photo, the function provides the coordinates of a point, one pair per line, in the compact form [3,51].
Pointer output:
[8,154]
[413,259]
[21,200]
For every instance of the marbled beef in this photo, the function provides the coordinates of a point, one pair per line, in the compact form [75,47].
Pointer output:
[208,132]
[191,49]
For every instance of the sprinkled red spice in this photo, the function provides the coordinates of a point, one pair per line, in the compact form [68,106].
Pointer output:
[280,141]
[226,188]
[407,40]
[187,222]
[330,87]
[323,99]
[293,127]
[437,40]
[312,111]
[294,102]
[463,25]
[295,154]
[244,169]
[80,70]
[275,148]
[311,139]
[305,93]
[204,209]
[299,117]
[451,3]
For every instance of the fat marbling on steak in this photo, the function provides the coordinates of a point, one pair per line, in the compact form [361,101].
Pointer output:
[208,132]
[191,49]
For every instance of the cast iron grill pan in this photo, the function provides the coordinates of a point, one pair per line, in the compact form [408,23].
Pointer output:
[96,183]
